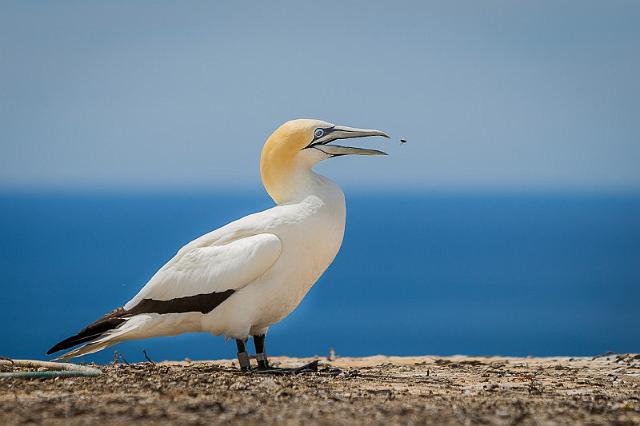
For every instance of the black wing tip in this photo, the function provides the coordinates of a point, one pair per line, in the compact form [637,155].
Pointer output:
[71,342]
[62,345]
[108,322]
[57,347]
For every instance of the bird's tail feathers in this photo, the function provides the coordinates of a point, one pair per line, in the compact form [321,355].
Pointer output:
[123,331]
[89,348]
[108,330]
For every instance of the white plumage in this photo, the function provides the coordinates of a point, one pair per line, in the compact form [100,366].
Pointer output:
[261,265]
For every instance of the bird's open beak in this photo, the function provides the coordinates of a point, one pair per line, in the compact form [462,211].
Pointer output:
[344,132]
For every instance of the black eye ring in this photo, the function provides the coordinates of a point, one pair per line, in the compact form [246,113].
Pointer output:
[318,133]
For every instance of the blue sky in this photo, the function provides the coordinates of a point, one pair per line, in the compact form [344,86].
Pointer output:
[491,95]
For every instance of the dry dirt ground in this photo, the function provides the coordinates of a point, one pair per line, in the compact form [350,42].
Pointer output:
[373,390]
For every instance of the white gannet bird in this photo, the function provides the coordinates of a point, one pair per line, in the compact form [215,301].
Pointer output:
[240,279]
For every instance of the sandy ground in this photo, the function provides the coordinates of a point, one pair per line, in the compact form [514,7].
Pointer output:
[373,390]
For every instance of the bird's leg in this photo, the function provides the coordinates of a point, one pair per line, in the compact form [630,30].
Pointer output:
[263,362]
[261,355]
[243,356]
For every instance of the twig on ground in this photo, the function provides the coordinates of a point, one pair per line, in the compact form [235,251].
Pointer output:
[7,359]
[604,355]
[332,355]
[117,357]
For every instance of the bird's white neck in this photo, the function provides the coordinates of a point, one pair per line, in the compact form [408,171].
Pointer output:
[300,182]
[291,178]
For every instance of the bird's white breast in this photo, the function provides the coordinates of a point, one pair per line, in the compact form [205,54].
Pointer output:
[311,232]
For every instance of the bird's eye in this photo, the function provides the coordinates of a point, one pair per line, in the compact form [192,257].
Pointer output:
[318,133]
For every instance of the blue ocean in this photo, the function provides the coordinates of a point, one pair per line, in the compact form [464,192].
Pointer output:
[418,273]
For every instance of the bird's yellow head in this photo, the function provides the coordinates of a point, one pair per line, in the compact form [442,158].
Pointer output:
[298,145]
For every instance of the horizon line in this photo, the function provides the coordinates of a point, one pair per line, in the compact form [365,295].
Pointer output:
[366,189]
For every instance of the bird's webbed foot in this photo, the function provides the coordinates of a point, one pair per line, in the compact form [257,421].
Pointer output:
[265,368]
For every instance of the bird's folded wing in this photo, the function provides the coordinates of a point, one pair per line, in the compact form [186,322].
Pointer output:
[205,270]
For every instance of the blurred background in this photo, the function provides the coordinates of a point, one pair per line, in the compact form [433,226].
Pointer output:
[509,223]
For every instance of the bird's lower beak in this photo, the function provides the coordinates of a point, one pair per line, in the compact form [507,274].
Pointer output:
[336,150]
[344,132]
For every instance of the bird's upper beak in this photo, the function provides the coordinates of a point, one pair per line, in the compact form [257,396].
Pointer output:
[344,132]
